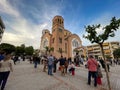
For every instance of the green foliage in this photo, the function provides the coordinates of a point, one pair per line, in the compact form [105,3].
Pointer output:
[7,47]
[20,50]
[108,56]
[60,51]
[29,50]
[116,53]
[99,39]
[108,31]
[49,49]
[22,46]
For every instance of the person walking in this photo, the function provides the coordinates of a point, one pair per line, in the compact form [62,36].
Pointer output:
[92,70]
[35,61]
[2,55]
[62,65]
[99,75]
[55,64]
[6,65]
[102,63]
[50,64]
[77,59]
[69,60]
[45,63]
[66,65]
[71,68]
[108,65]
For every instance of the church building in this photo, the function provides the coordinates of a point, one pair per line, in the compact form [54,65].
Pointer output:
[61,39]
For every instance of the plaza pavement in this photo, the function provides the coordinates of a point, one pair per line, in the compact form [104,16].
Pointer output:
[26,77]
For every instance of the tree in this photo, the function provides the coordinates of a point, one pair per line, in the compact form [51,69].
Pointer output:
[116,53]
[60,51]
[49,49]
[46,49]
[7,47]
[19,51]
[93,37]
[22,47]
[108,57]
[29,50]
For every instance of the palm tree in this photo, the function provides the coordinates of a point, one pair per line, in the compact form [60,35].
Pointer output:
[49,49]
[46,49]
[60,51]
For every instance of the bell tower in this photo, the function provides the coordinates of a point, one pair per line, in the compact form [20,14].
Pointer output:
[57,21]
[57,35]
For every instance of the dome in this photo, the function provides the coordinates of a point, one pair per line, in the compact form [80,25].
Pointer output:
[45,31]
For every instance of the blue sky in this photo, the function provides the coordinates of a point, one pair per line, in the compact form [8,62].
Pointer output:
[25,19]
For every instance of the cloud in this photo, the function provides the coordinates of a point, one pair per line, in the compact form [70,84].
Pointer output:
[26,33]
[5,7]
[21,30]
[104,20]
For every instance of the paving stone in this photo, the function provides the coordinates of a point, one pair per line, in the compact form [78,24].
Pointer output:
[26,77]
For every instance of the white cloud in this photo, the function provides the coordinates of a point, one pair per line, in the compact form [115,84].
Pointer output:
[21,30]
[103,20]
[26,33]
[85,42]
[5,7]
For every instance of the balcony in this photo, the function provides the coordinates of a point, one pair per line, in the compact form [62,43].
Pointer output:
[90,49]
[107,51]
[105,44]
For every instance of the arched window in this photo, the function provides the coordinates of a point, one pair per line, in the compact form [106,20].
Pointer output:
[45,42]
[60,21]
[60,40]
[75,43]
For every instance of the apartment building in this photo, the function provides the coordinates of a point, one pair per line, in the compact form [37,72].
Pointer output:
[108,48]
[2,27]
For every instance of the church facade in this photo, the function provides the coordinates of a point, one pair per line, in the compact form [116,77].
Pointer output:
[60,39]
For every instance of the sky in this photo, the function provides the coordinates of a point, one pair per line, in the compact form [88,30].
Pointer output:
[25,19]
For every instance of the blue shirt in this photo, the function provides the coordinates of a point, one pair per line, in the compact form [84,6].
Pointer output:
[1,57]
[50,60]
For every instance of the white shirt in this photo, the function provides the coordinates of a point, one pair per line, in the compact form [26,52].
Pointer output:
[71,66]
[6,65]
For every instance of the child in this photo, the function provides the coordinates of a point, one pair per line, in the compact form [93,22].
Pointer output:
[72,68]
[99,75]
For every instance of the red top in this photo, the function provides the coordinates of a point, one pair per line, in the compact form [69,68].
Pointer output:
[92,64]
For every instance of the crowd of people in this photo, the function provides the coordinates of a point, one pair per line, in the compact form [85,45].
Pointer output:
[50,63]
